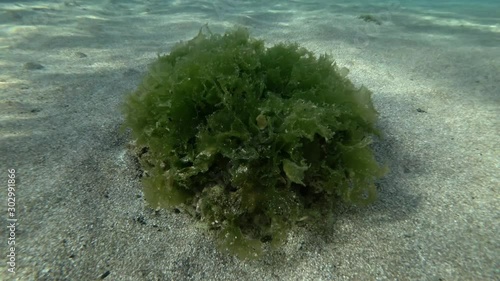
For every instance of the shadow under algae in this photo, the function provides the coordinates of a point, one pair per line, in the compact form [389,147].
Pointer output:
[252,140]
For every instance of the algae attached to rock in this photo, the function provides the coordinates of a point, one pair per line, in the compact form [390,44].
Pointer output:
[250,139]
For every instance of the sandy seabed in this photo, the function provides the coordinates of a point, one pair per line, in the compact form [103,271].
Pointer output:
[66,66]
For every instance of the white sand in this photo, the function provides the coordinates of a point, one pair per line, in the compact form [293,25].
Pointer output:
[79,200]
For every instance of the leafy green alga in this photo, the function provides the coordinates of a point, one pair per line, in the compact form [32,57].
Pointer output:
[250,139]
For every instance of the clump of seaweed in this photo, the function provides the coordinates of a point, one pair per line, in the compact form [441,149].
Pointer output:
[370,18]
[250,140]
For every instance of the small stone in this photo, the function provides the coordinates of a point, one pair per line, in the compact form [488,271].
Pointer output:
[131,71]
[32,66]
[80,55]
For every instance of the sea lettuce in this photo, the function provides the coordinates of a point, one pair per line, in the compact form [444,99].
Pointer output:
[251,139]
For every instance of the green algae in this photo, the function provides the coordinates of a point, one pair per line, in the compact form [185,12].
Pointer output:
[250,140]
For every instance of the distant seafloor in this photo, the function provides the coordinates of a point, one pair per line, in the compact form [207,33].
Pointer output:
[433,68]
